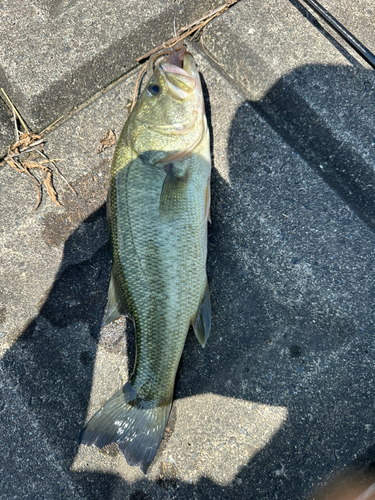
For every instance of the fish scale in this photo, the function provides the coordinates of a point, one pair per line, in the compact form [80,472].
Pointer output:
[170,320]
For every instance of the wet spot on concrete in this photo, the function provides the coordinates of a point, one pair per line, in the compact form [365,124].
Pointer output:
[91,193]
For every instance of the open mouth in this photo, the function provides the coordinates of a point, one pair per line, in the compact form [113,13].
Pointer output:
[177,70]
[176,58]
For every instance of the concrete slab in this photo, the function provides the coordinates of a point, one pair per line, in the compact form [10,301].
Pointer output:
[6,128]
[281,398]
[313,92]
[357,17]
[55,55]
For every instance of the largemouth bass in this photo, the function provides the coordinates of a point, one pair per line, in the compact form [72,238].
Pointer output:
[158,206]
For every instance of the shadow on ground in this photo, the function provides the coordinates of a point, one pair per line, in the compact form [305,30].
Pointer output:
[290,258]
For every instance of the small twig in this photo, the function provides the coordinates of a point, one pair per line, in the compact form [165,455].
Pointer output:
[50,126]
[188,30]
[16,131]
[15,111]
[47,181]
[14,164]
[47,160]
[43,162]
[212,55]
[25,141]
[137,85]
[36,143]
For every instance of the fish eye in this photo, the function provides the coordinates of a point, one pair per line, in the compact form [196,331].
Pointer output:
[153,89]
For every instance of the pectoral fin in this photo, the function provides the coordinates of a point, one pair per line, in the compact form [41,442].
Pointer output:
[115,307]
[202,322]
[172,196]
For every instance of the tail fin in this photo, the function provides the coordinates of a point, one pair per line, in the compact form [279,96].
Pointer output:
[136,426]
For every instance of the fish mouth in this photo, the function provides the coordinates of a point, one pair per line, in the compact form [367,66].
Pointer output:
[178,72]
[182,79]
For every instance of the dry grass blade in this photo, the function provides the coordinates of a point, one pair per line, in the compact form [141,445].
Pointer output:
[16,131]
[51,191]
[190,29]
[14,109]
[19,152]
[14,164]
[47,160]
[25,167]
[52,125]
[35,164]
[26,149]
[47,181]
[137,86]
[26,140]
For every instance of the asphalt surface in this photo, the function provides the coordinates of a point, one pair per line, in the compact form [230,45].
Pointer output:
[280,403]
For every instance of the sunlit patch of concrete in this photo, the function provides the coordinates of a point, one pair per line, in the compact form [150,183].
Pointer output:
[216,436]
[208,436]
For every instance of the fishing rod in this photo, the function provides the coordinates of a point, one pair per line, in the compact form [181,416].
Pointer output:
[348,37]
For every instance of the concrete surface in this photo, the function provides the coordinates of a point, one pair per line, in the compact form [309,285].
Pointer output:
[315,93]
[357,17]
[281,401]
[54,55]
[6,128]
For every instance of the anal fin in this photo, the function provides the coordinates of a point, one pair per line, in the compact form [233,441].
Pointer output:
[115,306]
[202,322]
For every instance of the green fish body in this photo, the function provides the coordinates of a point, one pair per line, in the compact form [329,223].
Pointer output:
[158,207]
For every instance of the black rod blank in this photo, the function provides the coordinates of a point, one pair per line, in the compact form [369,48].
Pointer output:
[348,37]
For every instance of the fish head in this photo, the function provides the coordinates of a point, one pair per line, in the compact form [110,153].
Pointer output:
[168,120]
